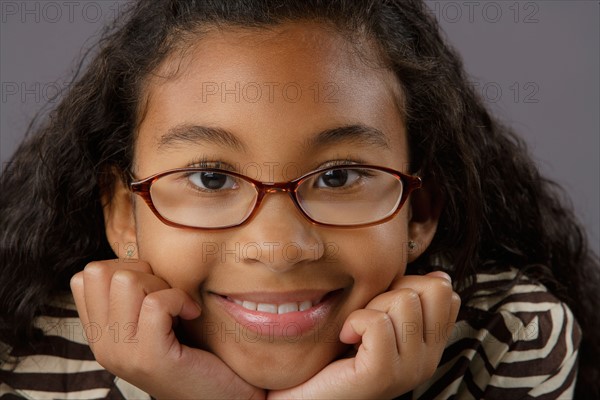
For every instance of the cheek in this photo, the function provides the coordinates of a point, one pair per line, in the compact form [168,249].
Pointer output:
[377,255]
[179,256]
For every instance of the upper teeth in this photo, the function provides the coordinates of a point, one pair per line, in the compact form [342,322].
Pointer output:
[275,308]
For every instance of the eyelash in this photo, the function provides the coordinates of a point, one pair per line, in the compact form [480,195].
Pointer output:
[204,162]
[335,163]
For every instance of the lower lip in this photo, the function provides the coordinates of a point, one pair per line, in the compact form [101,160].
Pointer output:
[290,325]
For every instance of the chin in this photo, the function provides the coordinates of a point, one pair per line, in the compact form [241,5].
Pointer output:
[276,379]
[279,366]
[267,361]
[279,374]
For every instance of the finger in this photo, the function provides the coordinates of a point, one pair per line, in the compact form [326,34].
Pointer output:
[376,354]
[436,302]
[376,358]
[406,314]
[97,278]
[127,292]
[417,280]
[440,274]
[455,300]
[436,294]
[157,313]
[454,310]
[76,284]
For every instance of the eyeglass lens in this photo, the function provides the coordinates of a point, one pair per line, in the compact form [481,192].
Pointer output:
[339,196]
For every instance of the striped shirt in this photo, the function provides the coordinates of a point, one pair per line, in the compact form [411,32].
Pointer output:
[512,344]
[516,344]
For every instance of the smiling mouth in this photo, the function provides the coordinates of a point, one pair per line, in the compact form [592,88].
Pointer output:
[281,313]
[280,303]
[274,308]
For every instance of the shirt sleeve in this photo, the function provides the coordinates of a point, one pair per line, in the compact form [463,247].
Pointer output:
[513,339]
[540,361]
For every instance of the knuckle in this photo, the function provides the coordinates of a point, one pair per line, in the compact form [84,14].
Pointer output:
[76,280]
[442,284]
[409,294]
[382,319]
[400,298]
[125,277]
[456,298]
[95,269]
[152,302]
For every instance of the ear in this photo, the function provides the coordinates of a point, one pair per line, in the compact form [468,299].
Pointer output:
[425,208]
[119,219]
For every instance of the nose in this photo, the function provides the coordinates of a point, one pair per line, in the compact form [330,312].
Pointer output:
[279,237]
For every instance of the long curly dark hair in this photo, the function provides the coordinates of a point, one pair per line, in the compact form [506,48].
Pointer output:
[498,210]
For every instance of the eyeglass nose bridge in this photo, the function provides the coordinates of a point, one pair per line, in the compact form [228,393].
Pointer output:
[265,188]
[274,187]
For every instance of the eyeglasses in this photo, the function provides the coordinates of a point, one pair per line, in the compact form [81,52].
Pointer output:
[211,198]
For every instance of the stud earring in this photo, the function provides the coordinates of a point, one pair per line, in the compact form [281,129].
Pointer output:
[129,253]
[412,245]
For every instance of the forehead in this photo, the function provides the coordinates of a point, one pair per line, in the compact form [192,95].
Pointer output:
[272,86]
[299,50]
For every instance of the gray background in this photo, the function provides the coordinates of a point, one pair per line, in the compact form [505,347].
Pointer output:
[536,62]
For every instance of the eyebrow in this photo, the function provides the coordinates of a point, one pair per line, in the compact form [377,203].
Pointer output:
[357,133]
[187,133]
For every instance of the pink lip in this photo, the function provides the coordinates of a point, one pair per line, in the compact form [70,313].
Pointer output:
[291,325]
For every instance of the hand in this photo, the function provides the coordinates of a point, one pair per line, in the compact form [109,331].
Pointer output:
[135,312]
[400,335]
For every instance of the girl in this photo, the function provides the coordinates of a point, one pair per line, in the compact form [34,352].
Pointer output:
[151,192]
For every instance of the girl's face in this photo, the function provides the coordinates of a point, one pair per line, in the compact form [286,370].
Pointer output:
[273,92]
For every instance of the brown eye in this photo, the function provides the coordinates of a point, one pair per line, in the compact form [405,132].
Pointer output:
[335,178]
[212,181]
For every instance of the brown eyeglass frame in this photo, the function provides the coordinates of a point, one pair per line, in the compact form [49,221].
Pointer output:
[142,189]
